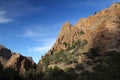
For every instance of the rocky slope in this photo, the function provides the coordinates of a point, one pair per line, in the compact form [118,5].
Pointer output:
[5,54]
[99,32]
[14,60]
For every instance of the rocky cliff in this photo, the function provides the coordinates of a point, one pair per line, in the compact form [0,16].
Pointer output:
[14,60]
[99,32]
[5,54]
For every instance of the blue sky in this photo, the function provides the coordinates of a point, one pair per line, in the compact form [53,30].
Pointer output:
[30,27]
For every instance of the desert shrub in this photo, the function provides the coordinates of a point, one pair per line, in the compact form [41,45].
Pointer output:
[79,43]
[76,44]
[30,74]
[79,66]
[107,69]
[60,56]
[93,52]
[82,32]
[65,43]
[95,13]
[69,70]
[10,74]
[55,74]
[83,43]
[46,62]
[59,74]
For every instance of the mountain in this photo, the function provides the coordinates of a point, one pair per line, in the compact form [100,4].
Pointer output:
[88,50]
[5,54]
[89,40]
[15,60]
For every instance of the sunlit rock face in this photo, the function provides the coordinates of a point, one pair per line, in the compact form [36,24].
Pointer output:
[20,63]
[15,60]
[100,30]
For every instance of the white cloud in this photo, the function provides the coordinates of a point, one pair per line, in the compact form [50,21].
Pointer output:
[39,33]
[4,18]
[42,49]
[35,31]
[38,49]
[43,37]
[18,8]
[29,34]
[32,34]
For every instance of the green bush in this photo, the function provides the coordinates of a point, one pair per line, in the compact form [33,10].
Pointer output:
[60,56]
[30,74]
[93,52]
[46,61]
[55,74]
[106,67]
[69,70]
[76,44]
[82,32]
[59,74]
[83,43]
[10,74]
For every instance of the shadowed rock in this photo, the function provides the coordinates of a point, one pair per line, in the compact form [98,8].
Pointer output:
[100,31]
[14,60]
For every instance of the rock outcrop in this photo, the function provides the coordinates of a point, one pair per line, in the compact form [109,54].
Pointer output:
[100,31]
[5,54]
[14,60]
[19,63]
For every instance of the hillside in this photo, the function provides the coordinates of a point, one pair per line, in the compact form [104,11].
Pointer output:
[16,61]
[95,36]
[88,50]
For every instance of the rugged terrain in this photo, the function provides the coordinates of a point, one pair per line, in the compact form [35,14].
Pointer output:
[88,50]
[99,34]
[15,60]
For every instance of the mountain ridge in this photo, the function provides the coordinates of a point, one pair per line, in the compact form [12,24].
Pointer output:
[15,60]
[100,31]
[88,50]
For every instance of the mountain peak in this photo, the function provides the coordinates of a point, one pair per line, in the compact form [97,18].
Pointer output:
[116,4]
[15,60]
[67,23]
[100,31]
[66,26]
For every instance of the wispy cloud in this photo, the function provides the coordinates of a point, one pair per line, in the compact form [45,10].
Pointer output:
[4,18]
[33,34]
[42,49]
[17,8]
[40,33]
[38,49]
[42,36]
[35,31]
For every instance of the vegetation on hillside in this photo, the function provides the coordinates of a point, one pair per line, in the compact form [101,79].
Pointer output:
[9,74]
[101,62]
[105,67]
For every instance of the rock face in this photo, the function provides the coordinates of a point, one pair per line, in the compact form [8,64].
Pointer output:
[14,60]
[20,63]
[5,54]
[100,31]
